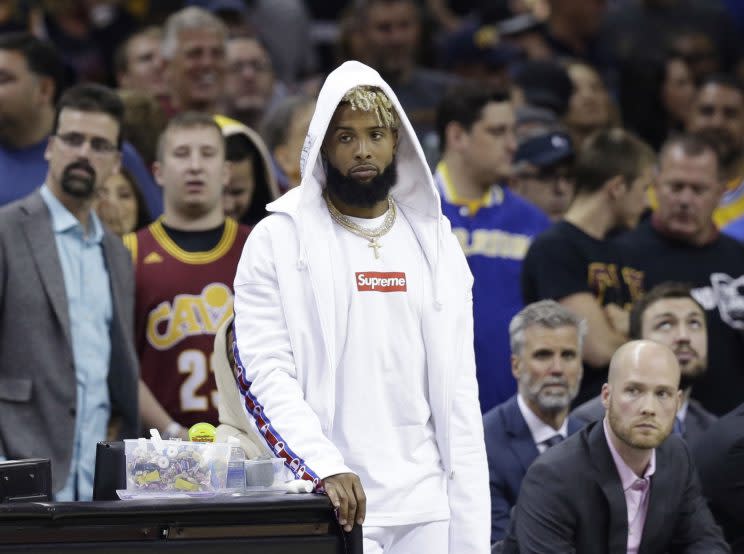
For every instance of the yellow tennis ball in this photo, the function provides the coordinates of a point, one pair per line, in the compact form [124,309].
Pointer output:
[202,432]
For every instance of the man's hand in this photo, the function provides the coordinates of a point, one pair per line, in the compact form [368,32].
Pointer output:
[619,319]
[347,495]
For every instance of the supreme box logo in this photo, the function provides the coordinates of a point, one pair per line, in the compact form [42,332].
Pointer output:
[381,281]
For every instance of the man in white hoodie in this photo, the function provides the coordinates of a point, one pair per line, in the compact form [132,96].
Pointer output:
[354,331]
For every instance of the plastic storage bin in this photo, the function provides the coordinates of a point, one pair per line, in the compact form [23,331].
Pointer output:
[175,466]
[262,473]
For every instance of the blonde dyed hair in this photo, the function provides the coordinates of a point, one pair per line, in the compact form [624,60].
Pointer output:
[372,99]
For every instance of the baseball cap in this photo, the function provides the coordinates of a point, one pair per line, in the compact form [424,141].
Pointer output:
[545,150]
[216,6]
[474,43]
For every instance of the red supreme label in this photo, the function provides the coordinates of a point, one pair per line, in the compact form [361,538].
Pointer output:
[380,281]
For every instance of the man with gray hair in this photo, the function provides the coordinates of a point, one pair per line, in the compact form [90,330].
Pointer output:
[194,51]
[621,484]
[546,341]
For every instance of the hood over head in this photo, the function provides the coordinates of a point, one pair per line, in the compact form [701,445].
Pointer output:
[267,189]
[415,186]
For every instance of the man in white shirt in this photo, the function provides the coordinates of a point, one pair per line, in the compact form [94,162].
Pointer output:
[546,341]
[354,331]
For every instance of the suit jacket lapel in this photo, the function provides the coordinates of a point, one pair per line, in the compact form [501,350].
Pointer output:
[609,481]
[575,425]
[115,274]
[660,482]
[38,230]
[522,442]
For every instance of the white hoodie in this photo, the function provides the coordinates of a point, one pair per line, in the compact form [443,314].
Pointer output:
[291,313]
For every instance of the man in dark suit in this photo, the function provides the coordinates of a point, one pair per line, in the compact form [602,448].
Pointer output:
[546,342]
[618,486]
[68,370]
[719,457]
[669,314]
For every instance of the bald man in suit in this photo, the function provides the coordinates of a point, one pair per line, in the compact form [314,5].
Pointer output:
[620,485]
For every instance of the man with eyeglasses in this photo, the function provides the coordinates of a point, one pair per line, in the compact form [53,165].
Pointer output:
[543,172]
[251,87]
[68,370]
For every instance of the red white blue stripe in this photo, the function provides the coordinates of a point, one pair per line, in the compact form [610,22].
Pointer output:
[273,439]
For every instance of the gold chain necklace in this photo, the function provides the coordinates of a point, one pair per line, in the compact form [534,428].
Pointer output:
[372,235]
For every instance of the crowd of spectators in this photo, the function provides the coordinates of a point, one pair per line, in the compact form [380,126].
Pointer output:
[585,151]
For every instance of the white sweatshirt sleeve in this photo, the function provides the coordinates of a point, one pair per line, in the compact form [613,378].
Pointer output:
[269,384]
[468,490]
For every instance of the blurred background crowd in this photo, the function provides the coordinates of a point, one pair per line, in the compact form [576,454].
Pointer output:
[589,91]
[582,64]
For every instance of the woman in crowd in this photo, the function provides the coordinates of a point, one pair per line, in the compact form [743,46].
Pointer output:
[121,205]
[590,108]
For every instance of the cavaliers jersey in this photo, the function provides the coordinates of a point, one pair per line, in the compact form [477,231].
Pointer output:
[181,300]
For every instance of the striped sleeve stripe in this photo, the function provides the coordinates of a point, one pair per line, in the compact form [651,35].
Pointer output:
[276,443]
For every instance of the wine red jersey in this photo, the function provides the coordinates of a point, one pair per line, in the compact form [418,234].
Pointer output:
[181,300]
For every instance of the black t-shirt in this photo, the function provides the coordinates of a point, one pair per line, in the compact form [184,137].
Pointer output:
[716,273]
[196,241]
[564,260]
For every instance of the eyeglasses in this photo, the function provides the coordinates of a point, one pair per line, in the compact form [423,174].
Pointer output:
[98,146]
[256,65]
[547,175]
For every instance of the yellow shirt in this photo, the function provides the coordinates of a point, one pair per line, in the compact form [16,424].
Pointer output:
[491,196]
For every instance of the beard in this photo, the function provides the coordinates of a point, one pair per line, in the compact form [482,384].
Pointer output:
[624,431]
[686,380]
[693,373]
[724,142]
[77,185]
[548,399]
[361,194]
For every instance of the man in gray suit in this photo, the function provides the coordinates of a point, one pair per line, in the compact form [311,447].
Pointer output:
[669,314]
[68,370]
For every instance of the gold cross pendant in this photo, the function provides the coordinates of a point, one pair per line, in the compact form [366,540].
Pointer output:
[376,245]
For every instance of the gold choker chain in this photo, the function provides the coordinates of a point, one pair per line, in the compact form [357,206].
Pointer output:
[372,235]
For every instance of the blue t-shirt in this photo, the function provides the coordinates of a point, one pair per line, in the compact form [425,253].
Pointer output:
[21,171]
[735,229]
[495,234]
